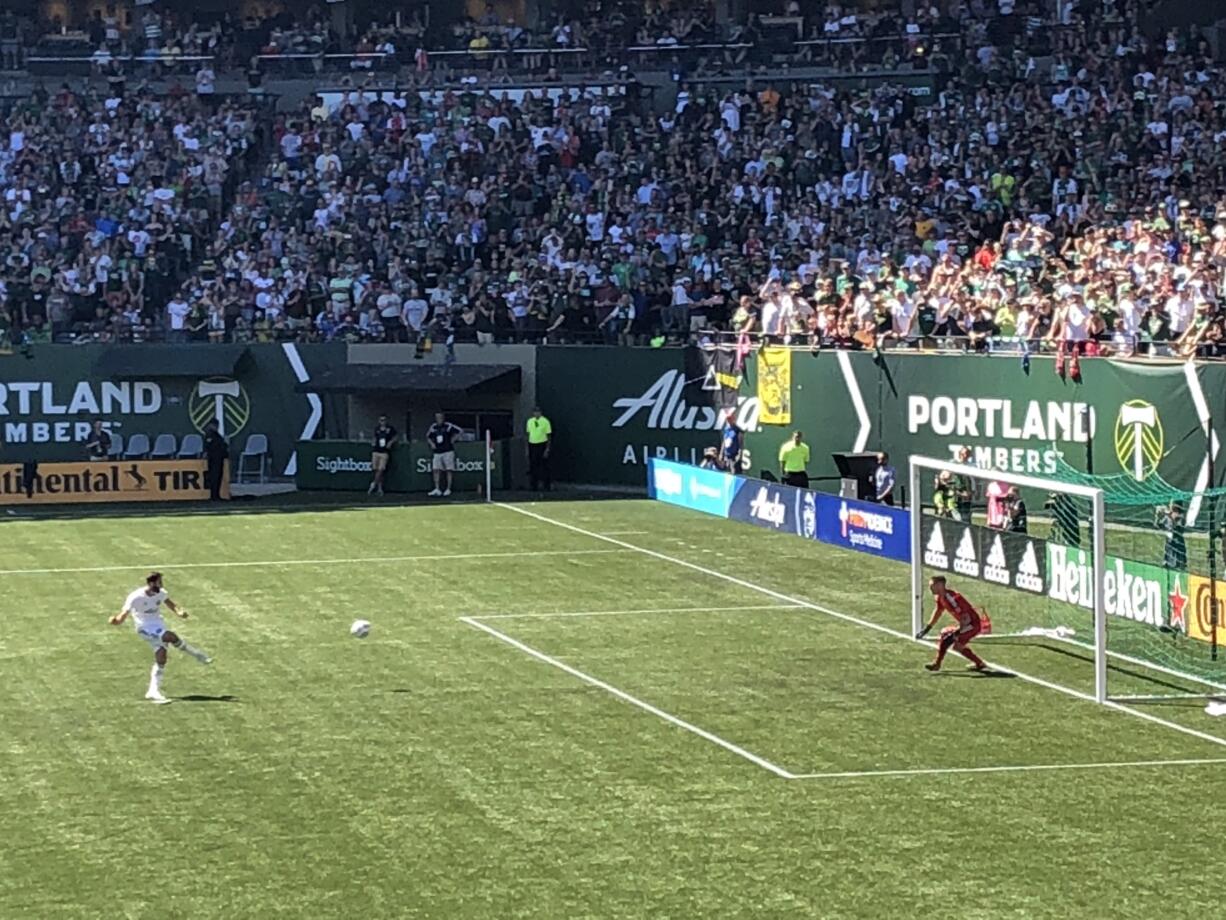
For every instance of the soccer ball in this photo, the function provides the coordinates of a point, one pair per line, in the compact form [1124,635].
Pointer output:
[360,629]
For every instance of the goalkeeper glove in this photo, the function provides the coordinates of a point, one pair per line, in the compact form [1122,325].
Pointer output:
[923,632]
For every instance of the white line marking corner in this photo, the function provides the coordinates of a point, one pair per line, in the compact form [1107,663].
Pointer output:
[1012,768]
[866,624]
[632,700]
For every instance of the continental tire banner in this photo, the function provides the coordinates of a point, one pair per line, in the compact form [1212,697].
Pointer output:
[121,481]
[1013,560]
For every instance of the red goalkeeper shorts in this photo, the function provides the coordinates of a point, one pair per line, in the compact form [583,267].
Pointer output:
[962,637]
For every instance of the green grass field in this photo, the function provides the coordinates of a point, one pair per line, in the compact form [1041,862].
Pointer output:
[545,724]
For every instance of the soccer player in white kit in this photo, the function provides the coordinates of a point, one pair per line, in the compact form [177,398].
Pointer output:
[144,605]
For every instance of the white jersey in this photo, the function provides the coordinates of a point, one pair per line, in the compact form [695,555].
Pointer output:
[146,609]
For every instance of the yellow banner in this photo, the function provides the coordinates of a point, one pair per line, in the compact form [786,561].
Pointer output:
[120,481]
[775,386]
[1199,613]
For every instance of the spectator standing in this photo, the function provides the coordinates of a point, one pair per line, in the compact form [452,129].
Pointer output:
[177,312]
[540,440]
[99,444]
[730,444]
[1017,522]
[794,461]
[884,479]
[216,453]
[380,453]
[206,80]
[1169,519]
[965,487]
[441,436]
[998,505]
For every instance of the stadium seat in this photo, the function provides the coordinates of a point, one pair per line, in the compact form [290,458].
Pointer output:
[138,447]
[256,448]
[164,447]
[116,448]
[192,447]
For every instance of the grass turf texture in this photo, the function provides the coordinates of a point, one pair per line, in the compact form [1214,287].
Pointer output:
[435,771]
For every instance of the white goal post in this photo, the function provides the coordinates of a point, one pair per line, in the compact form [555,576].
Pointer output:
[921,466]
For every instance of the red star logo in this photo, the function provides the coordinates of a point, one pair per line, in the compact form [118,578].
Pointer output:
[1178,601]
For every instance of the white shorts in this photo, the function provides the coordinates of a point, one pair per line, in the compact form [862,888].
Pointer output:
[444,461]
[152,633]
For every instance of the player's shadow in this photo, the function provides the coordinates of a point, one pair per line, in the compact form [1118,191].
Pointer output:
[204,698]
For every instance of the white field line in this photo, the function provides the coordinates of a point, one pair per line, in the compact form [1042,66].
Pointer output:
[620,613]
[1021,768]
[866,624]
[632,700]
[274,563]
[626,533]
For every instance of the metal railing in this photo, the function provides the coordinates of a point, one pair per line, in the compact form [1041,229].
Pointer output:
[659,53]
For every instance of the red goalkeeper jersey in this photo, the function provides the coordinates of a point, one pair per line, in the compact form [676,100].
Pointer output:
[960,609]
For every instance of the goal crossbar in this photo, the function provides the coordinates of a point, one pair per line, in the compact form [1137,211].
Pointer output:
[919,464]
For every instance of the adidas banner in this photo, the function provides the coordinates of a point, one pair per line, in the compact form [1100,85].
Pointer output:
[1013,560]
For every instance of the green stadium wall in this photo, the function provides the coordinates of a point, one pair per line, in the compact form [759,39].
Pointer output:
[612,409]
[49,394]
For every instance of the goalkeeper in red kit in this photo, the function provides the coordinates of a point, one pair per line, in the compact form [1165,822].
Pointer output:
[971,623]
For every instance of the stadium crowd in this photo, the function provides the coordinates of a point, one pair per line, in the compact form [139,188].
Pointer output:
[107,203]
[1079,203]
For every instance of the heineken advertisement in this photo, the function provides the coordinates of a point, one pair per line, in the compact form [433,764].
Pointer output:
[1136,591]
[345,466]
[1123,417]
[49,395]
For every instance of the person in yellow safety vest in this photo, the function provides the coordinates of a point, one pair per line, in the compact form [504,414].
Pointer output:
[540,438]
[793,460]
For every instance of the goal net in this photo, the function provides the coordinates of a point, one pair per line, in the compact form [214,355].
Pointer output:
[1077,569]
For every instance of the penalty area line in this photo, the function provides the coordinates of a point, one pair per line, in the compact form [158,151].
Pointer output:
[857,621]
[627,613]
[1016,768]
[276,563]
[627,698]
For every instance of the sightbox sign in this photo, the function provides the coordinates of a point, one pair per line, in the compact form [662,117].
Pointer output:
[1011,560]
[121,481]
[346,466]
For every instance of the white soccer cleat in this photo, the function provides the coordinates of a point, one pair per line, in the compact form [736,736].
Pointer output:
[446,492]
[435,493]
[155,697]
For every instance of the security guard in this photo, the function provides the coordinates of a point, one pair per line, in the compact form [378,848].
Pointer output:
[793,459]
[540,437]
[216,453]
